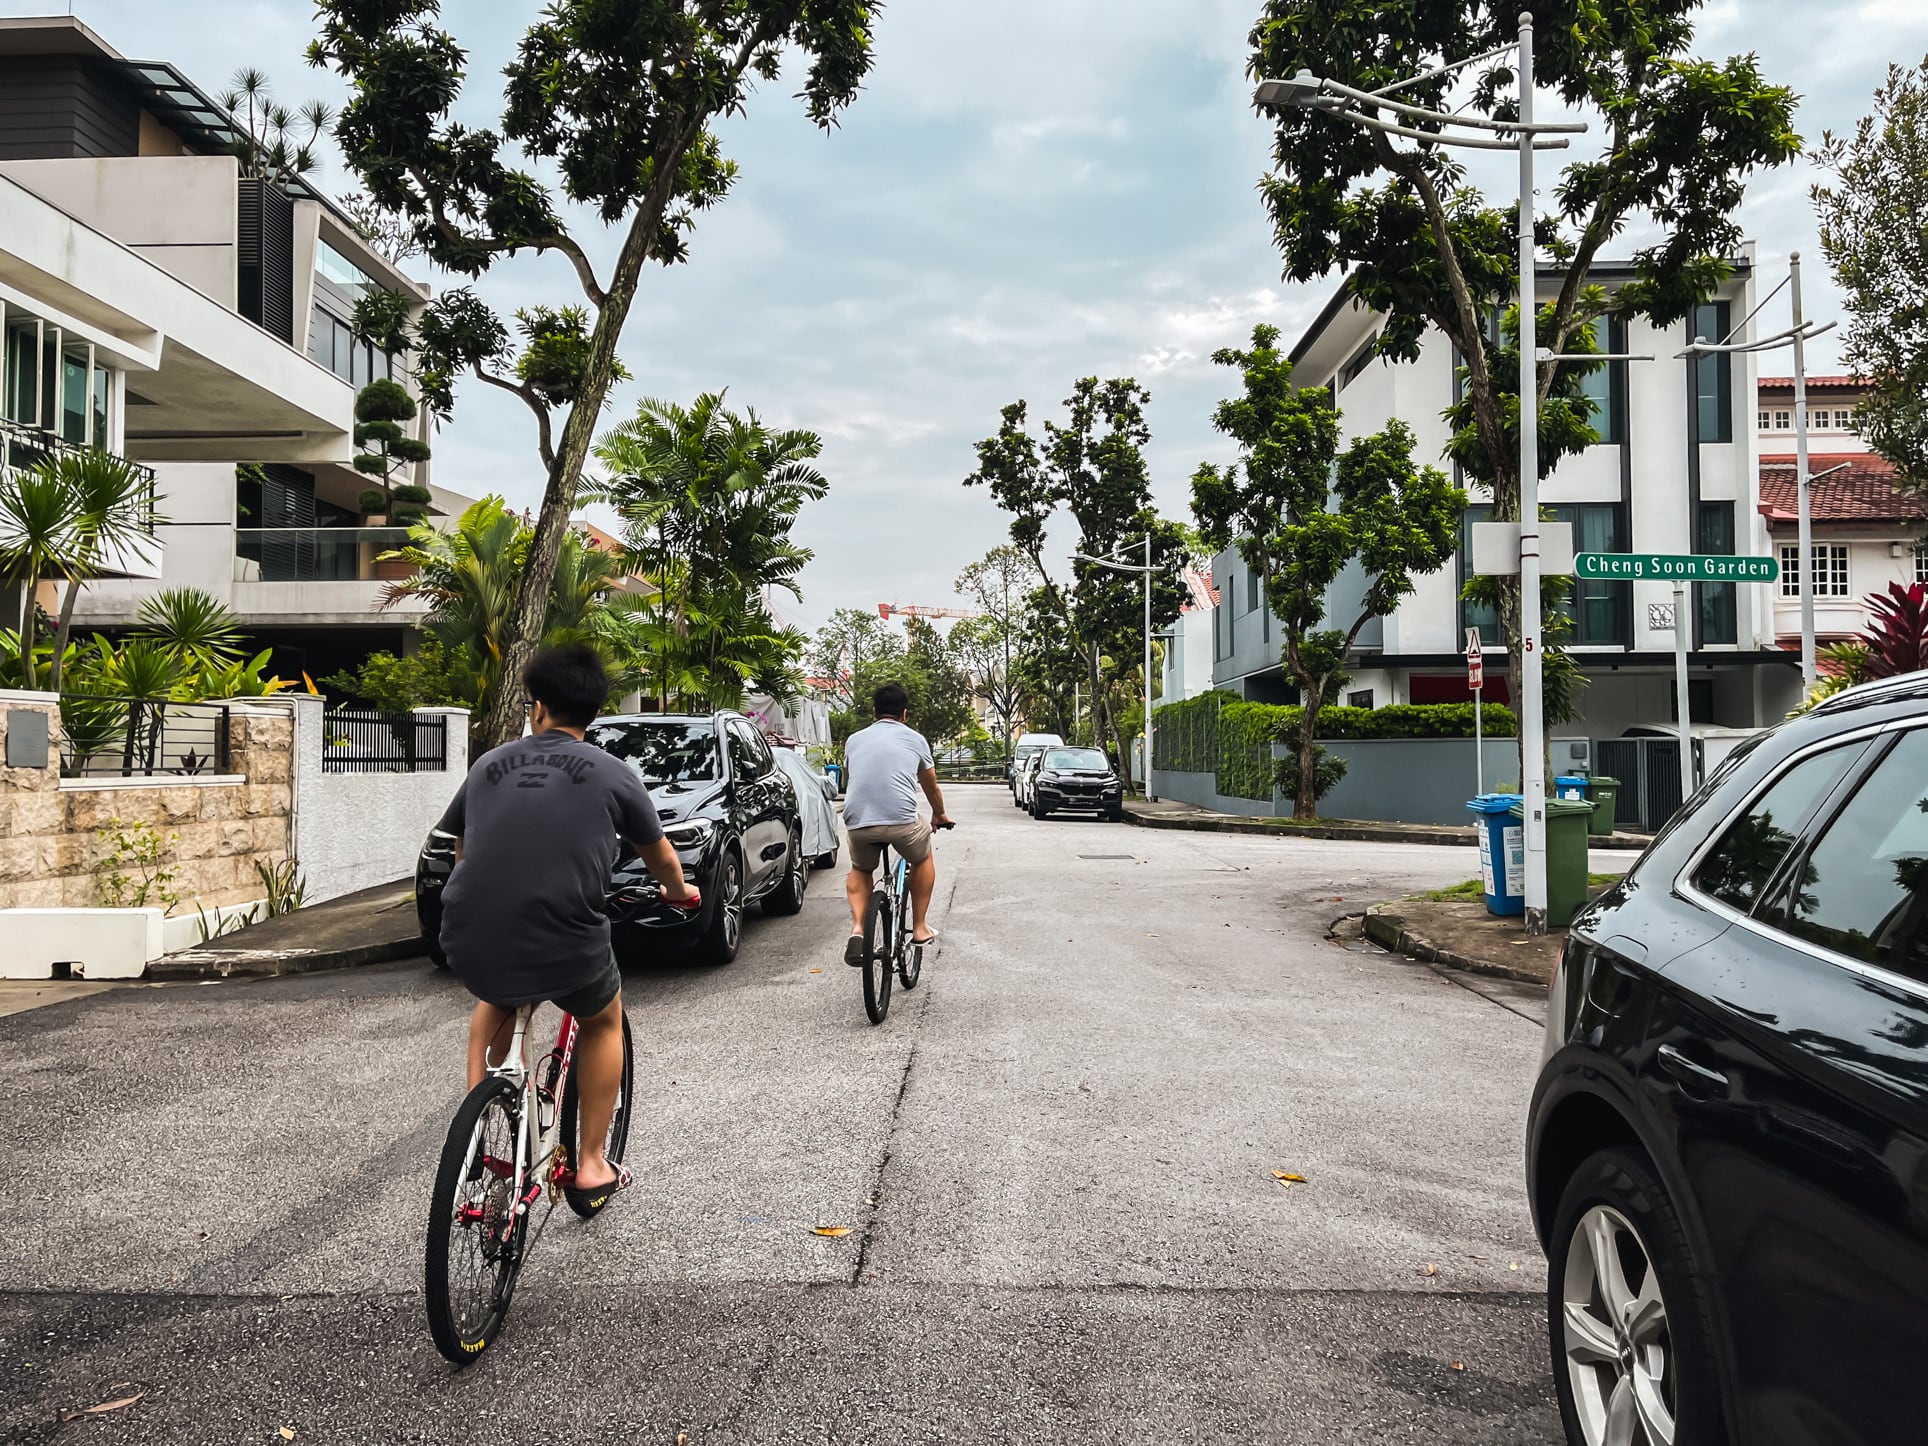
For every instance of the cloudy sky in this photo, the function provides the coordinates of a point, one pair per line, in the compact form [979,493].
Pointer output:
[1027,192]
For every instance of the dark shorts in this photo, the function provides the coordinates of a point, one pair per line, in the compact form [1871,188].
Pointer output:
[584,1001]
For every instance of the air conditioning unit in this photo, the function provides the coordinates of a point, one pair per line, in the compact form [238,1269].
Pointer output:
[1572,755]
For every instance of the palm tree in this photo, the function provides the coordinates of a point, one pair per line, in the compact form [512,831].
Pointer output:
[708,499]
[272,146]
[38,540]
[113,502]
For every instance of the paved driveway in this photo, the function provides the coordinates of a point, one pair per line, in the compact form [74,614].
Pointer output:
[1056,1158]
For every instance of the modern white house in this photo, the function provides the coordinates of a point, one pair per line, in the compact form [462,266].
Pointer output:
[1866,533]
[161,303]
[1676,471]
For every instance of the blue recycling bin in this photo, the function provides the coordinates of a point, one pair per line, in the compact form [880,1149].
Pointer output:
[1502,852]
[1573,787]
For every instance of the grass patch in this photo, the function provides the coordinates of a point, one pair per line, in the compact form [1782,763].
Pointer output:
[1472,889]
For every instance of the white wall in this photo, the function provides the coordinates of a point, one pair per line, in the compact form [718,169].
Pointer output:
[357,830]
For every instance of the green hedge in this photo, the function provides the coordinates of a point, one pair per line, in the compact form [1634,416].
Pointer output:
[1216,733]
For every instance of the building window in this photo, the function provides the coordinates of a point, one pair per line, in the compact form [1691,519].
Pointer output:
[51,383]
[1783,420]
[1475,614]
[1763,423]
[1830,569]
[1602,612]
[1605,385]
[1360,360]
[1717,602]
[1360,699]
[1713,375]
[1921,564]
[333,344]
[1843,420]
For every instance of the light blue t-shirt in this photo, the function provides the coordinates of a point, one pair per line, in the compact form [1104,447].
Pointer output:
[882,761]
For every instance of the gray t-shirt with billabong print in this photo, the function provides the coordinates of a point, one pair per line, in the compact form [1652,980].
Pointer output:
[540,820]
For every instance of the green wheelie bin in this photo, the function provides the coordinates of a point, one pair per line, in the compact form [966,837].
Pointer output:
[1566,858]
[1604,794]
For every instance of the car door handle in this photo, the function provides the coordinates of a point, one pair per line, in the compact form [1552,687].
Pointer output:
[1690,1074]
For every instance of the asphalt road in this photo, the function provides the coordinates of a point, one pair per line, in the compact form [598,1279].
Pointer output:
[1056,1158]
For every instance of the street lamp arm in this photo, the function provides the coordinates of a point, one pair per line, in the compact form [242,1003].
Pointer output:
[1544,355]
[1805,332]
[1419,112]
[1114,566]
[1494,54]
[1440,138]
[1837,467]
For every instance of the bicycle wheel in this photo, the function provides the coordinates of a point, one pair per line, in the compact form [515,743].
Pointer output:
[475,1233]
[617,1140]
[878,938]
[910,957]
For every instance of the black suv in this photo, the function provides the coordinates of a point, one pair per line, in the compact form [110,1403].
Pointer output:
[1081,778]
[1727,1153]
[728,808]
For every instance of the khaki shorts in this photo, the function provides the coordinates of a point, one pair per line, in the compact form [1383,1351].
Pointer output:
[912,840]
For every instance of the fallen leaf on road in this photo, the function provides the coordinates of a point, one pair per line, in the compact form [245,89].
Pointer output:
[829,1229]
[816,971]
[1476,1257]
[1459,1365]
[1430,1269]
[103,1408]
[682,1438]
[1514,1266]
[287,1433]
[1284,1179]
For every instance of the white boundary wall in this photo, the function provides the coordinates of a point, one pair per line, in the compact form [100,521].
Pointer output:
[356,830]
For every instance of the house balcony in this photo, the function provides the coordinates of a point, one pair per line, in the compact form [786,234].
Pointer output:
[331,575]
[24,447]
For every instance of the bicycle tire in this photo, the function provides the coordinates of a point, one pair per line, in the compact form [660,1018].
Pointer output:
[910,958]
[878,966]
[462,1334]
[617,1141]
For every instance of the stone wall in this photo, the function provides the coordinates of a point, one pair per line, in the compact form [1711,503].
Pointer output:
[217,827]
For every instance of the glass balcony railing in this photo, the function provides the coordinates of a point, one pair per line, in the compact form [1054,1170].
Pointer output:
[319,554]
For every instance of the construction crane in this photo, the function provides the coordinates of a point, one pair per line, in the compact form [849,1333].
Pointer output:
[887,611]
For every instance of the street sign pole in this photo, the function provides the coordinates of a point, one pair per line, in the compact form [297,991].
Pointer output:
[1681,710]
[1532,711]
[1476,681]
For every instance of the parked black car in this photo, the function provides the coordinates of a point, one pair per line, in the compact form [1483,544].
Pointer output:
[1080,778]
[1727,1151]
[728,808]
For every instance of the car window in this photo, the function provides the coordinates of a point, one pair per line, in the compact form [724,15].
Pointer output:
[668,752]
[750,755]
[1863,889]
[1075,758]
[1741,864]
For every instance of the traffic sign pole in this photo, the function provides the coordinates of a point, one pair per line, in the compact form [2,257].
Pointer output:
[1681,710]
[1476,681]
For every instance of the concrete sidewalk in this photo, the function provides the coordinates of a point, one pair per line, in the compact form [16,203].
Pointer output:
[369,927]
[1165,813]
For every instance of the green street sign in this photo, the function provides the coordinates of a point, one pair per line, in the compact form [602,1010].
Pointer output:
[1674,567]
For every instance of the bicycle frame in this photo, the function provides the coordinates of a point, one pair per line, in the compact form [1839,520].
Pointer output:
[515,1068]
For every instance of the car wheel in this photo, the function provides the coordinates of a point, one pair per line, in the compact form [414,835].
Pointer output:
[827,861]
[433,948]
[1038,810]
[1628,1320]
[787,897]
[725,933]
[1114,815]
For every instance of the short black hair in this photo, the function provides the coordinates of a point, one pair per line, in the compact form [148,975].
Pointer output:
[570,682]
[890,701]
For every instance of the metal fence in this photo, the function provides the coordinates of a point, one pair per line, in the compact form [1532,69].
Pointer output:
[362,740]
[109,737]
[1649,774]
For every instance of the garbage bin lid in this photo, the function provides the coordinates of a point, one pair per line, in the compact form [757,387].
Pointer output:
[1601,780]
[1494,802]
[1577,778]
[1555,807]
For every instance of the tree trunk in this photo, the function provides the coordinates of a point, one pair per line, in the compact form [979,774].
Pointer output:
[524,627]
[29,676]
[62,633]
[1311,698]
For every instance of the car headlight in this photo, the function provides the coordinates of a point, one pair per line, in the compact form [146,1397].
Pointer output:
[690,834]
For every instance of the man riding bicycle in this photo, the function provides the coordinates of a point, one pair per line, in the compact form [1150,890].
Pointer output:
[537,823]
[887,763]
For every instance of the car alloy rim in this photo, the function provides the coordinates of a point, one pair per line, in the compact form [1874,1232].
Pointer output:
[799,877]
[732,901]
[1619,1351]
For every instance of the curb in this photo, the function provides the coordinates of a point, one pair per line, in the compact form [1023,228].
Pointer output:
[1390,931]
[1361,833]
[269,963]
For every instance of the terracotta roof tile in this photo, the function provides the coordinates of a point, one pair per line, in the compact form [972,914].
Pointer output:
[1815,384]
[1865,492]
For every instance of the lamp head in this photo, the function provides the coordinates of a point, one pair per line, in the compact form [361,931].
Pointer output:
[1301,92]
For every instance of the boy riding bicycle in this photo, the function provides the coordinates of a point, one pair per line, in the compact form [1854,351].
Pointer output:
[537,823]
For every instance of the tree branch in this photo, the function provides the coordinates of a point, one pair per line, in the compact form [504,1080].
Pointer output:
[586,273]
[528,394]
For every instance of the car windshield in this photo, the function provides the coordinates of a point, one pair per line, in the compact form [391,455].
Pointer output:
[665,752]
[1076,758]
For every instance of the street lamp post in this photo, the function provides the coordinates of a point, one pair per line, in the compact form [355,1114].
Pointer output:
[1146,571]
[1308,92]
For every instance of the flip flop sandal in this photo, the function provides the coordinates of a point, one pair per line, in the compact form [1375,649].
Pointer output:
[926,943]
[589,1203]
[853,951]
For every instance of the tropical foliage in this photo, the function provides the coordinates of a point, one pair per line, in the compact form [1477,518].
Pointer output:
[275,143]
[1894,644]
[708,498]
[381,408]
[62,519]
[618,103]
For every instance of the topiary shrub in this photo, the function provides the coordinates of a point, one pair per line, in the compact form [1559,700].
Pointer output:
[372,500]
